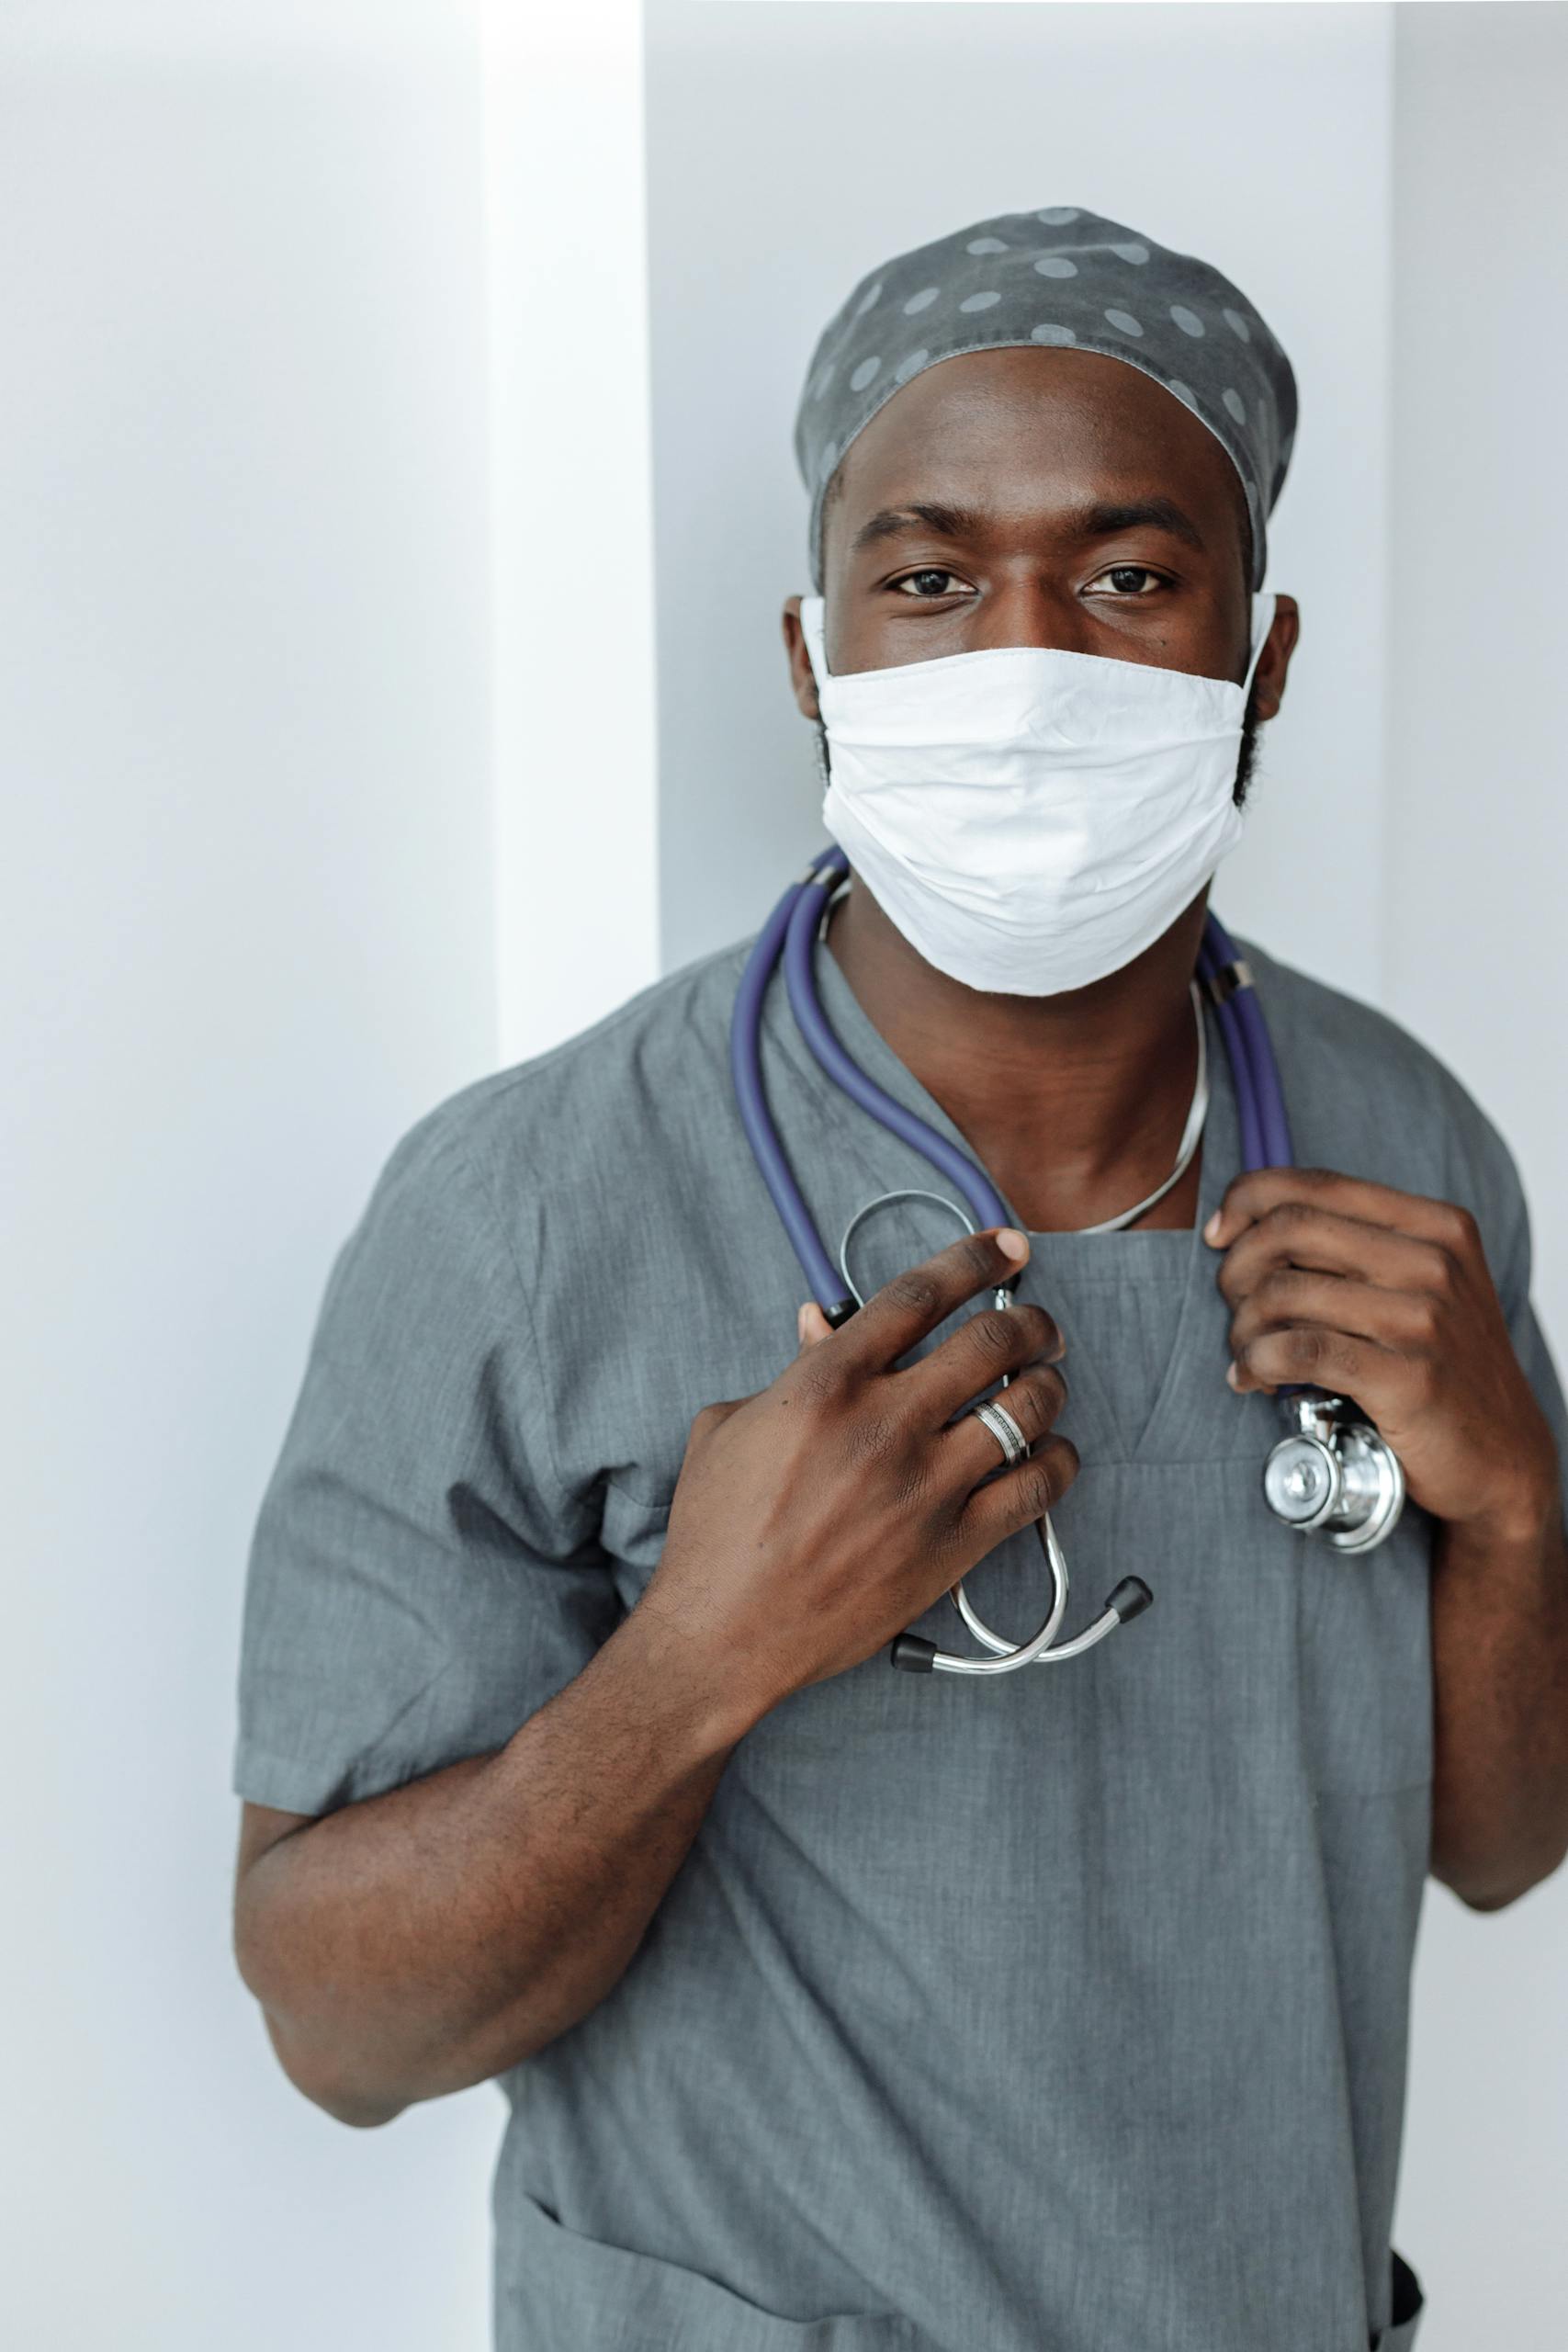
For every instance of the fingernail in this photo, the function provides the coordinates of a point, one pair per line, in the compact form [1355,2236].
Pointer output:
[1011,1243]
[1231,1376]
[800,1323]
[1212,1230]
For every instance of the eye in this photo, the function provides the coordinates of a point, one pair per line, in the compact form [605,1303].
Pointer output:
[1130,579]
[930,581]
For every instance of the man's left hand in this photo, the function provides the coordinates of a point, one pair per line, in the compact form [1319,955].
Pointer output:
[1386,1297]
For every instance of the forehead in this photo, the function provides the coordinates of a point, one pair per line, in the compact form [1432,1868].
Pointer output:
[1005,430]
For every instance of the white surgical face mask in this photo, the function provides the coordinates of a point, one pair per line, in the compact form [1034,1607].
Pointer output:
[1031,819]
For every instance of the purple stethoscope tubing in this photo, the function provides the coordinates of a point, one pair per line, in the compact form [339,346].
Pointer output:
[746,1069]
[789,935]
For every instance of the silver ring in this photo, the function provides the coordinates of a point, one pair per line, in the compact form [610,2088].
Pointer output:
[1003,1428]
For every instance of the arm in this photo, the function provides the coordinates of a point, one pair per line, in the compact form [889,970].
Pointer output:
[1387,1297]
[1500,1657]
[428,1938]
[431,1938]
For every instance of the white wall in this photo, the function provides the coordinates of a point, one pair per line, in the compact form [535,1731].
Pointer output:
[571,509]
[247,940]
[793,144]
[1477,960]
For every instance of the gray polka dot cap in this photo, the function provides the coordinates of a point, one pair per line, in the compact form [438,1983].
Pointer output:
[1060,276]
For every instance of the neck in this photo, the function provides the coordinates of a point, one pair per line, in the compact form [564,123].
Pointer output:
[1075,1103]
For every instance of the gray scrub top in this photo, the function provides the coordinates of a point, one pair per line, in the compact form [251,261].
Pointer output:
[1049,2014]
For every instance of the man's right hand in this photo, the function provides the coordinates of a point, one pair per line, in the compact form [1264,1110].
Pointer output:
[815,1520]
[417,1941]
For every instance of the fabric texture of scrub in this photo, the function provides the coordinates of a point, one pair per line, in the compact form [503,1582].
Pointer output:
[1069,2011]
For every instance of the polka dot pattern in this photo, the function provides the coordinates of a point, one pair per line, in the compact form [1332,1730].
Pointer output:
[984,286]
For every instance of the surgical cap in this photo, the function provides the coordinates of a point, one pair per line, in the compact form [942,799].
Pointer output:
[1066,279]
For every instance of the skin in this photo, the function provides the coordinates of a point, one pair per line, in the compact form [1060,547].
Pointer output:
[430,1938]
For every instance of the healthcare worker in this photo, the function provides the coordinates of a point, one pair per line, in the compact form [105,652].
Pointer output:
[841,2010]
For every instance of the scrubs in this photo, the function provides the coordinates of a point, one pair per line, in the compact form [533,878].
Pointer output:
[1066,2010]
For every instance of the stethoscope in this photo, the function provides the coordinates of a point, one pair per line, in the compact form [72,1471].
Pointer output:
[1331,1474]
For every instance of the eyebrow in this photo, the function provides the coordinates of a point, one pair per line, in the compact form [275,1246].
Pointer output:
[1101,521]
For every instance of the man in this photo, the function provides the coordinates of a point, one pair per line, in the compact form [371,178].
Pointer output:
[847,2008]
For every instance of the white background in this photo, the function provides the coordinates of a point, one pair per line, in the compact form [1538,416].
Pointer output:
[327,726]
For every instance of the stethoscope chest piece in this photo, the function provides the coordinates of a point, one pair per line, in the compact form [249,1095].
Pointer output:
[1332,1475]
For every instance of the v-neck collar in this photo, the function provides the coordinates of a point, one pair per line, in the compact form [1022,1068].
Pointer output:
[1183,1418]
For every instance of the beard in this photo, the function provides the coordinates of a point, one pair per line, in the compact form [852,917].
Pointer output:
[1247,755]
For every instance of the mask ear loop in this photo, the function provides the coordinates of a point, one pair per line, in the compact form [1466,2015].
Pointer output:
[1264,606]
[814,626]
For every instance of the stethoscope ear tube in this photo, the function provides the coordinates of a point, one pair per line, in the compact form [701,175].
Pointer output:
[913,1654]
[746,1071]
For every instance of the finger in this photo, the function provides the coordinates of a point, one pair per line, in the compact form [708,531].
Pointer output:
[1001,1506]
[713,1416]
[904,1310]
[1252,1195]
[997,1341]
[1308,1355]
[812,1327]
[1400,1320]
[968,1452]
[1296,1234]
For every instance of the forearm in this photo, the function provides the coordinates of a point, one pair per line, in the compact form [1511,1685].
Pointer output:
[1500,1662]
[429,1938]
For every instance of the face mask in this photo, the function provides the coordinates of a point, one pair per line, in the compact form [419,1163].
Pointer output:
[1029,819]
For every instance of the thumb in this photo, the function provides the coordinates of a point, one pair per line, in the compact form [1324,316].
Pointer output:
[812,1326]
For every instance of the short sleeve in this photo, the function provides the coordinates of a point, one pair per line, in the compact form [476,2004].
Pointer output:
[418,1583]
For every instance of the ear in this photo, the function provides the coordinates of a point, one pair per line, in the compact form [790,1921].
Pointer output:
[800,678]
[1274,661]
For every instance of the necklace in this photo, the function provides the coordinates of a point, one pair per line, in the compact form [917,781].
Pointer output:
[1191,1134]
